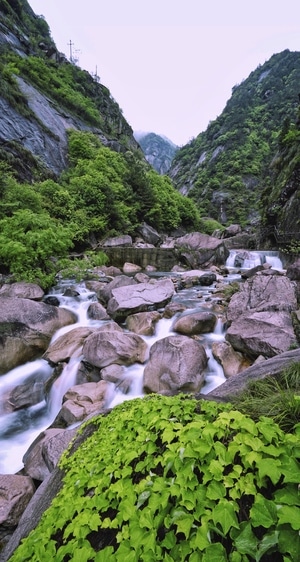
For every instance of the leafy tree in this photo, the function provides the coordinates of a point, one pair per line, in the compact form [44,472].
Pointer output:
[28,243]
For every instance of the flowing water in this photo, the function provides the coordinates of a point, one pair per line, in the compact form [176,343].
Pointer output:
[19,429]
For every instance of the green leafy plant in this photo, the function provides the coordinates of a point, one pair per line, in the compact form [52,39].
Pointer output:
[174,479]
[81,268]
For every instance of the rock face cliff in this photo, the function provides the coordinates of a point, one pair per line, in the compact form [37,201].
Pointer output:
[159,151]
[35,113]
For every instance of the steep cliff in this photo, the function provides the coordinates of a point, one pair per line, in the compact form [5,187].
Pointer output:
[42,95]
[226,168]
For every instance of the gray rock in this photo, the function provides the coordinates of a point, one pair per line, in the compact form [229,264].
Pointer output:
[195,323]
[261,293]
[262,333]
[22,290]
[124,240]
[104,347]
[81,401]
[176,363]
[97,312]
[232,362]
[26,329]
[68,345]
[143,322]
[15,493]
[139,298]
[149,234]
[199,249]
[120,281]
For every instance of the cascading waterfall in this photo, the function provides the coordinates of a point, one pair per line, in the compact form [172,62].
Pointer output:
[246,259]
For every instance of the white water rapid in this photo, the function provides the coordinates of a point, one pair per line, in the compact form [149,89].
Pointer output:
[18,429]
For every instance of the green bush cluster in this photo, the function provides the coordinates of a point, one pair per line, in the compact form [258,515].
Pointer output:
[174,479]
[102,193]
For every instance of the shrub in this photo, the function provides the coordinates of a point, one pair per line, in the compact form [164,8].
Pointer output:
[174,479]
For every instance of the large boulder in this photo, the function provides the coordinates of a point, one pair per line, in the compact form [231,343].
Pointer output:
[44,453]
[22,290]
[68,345]
[267,291]
[176,363]
[104,347]
[15,493]
[199,322]
[120,281]
[199,249]
[262,333]
[26,329]
[232,362]
[259,315]
[143,322]
[141,297]
[149,234]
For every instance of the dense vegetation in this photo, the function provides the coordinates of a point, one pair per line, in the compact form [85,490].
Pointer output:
[226,168]
[193,481]
[102,193]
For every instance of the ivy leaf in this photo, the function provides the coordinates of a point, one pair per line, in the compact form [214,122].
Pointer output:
[215,490]
[267,543]
[146,519]
[271,468]
[246,542]
[289,495]
[224,514]
[184,525]
[169,540]
[291,470]
[214,553]
[263,512]
[289,514]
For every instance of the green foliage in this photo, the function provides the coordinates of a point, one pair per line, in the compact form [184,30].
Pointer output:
[230,289]
[277,397]
[208,226]
[174,479]
[81,269]
[57,82]
[28,242]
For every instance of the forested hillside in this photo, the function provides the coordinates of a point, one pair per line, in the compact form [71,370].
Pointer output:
[226,168]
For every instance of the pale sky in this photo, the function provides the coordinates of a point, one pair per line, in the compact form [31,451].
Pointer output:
[171,64]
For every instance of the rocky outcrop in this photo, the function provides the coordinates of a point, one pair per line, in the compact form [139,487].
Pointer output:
[159,151]
[22,290]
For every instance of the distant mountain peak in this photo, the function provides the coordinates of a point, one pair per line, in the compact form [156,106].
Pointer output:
[159,151]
